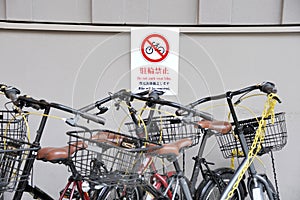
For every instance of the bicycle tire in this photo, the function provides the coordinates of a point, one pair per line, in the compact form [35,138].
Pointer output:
[118,193]
[149,50]
[209,189]
[162,50]
[250,188]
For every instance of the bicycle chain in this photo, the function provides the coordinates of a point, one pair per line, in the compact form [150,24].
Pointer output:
[258,139]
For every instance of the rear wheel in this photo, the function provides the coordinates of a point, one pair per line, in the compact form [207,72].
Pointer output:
[211,190]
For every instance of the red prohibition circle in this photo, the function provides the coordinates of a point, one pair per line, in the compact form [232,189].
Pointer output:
[148,44]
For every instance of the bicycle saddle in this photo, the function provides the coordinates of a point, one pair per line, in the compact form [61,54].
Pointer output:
[107,136]
[172,150]
[59,154]
[220,126]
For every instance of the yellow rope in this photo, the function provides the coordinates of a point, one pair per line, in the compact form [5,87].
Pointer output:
[237,153]
[258,139]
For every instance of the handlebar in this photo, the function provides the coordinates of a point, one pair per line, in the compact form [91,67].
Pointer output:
[83,114]
[21,101]
[153,98]
[265,87]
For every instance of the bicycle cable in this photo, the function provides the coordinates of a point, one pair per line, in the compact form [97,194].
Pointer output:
[275,175]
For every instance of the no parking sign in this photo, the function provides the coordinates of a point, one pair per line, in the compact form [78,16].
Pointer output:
[154,59]
[155,48]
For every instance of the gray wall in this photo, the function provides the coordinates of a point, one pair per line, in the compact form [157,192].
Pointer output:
[75,68]
[192,12]
[78,64]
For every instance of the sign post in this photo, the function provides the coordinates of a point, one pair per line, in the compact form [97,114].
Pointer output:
[154,59]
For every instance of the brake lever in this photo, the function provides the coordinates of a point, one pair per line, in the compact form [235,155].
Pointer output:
[102,110]
[276,98]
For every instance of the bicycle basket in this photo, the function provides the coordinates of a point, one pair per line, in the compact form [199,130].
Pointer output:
[106,157]
[14,150]
[12,125]
[166,129]
[275,137]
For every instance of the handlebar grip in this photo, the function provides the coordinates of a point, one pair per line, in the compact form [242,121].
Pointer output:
[2,87]
[28,101]
[268,87]
[11,93]
[93,118]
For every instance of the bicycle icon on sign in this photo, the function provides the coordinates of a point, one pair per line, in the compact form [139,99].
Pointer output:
[155,48]
[150,49]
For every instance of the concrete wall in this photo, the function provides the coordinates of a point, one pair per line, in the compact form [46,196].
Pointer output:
[192,12]
[76,68]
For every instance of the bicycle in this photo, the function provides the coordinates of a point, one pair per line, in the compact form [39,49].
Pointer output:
[110,160]
[252,137]
[18,154]
[258,184]
[173,144]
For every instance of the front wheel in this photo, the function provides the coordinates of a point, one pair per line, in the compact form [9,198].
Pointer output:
[210,189]
[264,191]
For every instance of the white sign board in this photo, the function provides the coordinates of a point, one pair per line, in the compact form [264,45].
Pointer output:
[154,59]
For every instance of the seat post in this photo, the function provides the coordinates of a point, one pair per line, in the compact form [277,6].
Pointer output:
[177,167]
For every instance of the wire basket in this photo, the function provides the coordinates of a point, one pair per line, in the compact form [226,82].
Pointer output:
[166,129]
[275,137]
[107,158]
[14,150]
[12,125]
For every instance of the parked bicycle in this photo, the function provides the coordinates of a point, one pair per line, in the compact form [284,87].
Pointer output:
[251,138]
[18,153]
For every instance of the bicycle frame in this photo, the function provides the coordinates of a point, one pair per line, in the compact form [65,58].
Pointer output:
[162,179]
[178,176]
[29,164]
